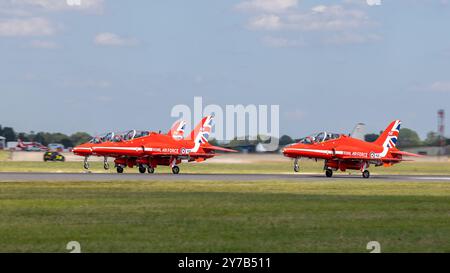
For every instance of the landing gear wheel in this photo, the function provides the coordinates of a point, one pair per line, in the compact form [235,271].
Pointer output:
[86,163]
[296,166]
[329,172]
[150,170]
[119,169]
[142,169]
[175,170]
[366,174]
[105,164]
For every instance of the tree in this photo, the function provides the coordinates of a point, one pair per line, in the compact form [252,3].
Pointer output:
[213,142]
[79,138]
[285,140]
[23,137]
[371,137]
[408,138]
[40,137]
[66,142]
[9,134]
[433,139]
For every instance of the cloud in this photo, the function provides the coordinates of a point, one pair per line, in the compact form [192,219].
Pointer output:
[272,6]
[43,44]
[279,42]
[318,18]
[266,22]
[352,38]
[440,86]
[112,39]
[61,5]
[35,26]
[337,24]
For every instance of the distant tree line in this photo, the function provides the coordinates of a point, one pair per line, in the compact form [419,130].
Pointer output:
[45,138]
[410,138]
[407,138]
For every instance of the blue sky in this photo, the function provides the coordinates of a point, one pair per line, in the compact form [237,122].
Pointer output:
[114,64]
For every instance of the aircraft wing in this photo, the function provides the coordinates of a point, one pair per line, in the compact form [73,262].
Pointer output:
[216,148]
[368,158]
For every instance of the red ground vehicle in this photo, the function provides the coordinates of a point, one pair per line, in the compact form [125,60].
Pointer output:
[341,152]
[147,150]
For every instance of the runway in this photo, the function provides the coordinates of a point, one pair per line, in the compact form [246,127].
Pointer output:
[91,177]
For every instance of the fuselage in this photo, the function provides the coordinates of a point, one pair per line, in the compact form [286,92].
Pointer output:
[341,147]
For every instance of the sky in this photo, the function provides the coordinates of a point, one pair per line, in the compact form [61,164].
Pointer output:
[107,65]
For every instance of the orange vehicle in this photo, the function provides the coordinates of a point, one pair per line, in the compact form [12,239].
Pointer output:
[342,152]
[147,150]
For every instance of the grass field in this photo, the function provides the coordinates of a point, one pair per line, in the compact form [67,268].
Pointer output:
[214,216]
[4,155]
[307,166]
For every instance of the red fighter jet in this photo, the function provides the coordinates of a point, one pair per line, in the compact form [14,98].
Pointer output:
[342,152]
[154,149]
[87,149]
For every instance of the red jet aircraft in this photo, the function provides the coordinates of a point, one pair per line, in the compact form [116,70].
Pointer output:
[86,149]
[341,152]
[147,150]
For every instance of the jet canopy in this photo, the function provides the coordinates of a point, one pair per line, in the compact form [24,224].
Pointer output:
[319,137]
[119,136]
[103,138]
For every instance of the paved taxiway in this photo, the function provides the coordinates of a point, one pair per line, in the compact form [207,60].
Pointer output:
[71,177]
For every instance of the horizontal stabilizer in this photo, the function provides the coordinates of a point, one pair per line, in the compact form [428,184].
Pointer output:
[405,153]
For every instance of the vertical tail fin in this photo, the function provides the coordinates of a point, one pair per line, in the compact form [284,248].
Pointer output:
[20,144]
[388,139]
[202,131]
[177,130]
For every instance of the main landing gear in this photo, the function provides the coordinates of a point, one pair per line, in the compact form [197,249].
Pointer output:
[105,163]
[86,163]
[175,169]
[145,168]
[119,169]
[366,174]
[329,172]
[142,169]
[296,166]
